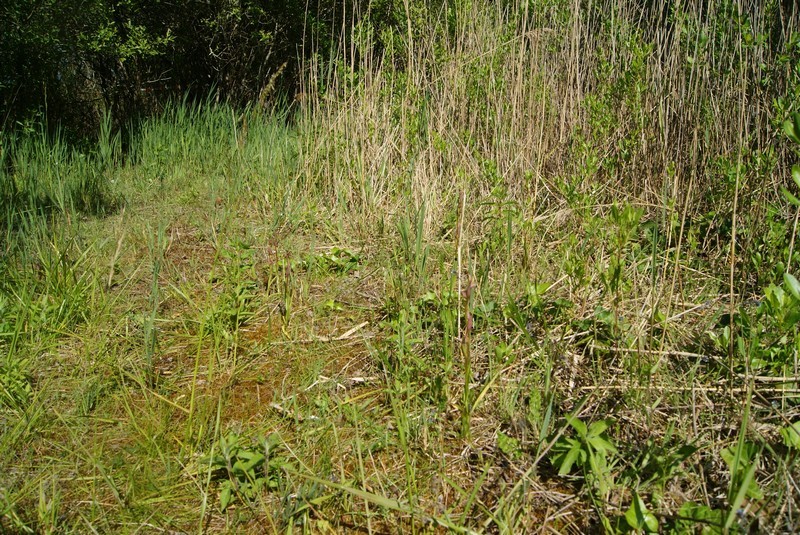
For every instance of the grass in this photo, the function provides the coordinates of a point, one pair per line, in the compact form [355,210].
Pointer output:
[532,280]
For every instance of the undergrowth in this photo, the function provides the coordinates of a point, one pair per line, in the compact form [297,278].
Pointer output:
[531,267]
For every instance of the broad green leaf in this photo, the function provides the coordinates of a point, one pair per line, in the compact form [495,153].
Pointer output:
[749,487]
[248,454]
[746,461]
[225,496]
[729,456]
[791,435]
[796,123]
[578,425]
[602,445]
[789,197]
[638,517]
[699,519]
[650,522]
[793,285]
[246,465]
[792,128]
[684,452]
[569,459]
[788,128]
[598,427]
[796,174]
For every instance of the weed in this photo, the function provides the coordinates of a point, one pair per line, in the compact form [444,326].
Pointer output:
[638,518]
[336,260]
[697,518]
[590,451]
[247,471]
[15,383]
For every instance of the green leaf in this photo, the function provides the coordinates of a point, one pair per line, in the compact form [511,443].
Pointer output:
[569,459]
[749,487]
[792,128]
[796,174]
[695,518]
[578,425]
[638,517]
[791,435]
[598,427]
[247,462]
[377,499]
[742,462]
[249,454]
[796,123]
[600,473]
[217,461]
[789,197]
[321,499]
[602,445]
[651,522]
[226,496]
[684,452]
[793,285]
[508,445]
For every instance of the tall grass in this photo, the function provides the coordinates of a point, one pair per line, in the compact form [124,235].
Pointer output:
[620,165]
[559,104]
[492,273]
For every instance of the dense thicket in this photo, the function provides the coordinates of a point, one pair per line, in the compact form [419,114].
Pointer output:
[75,59]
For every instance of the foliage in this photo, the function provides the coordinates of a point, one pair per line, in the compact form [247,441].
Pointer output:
[638,518]
[742,463]
[15,384]
[131,56]
[247,470]
[336,260]
[696,518]
[791,435]
[590,451]
[766,339]
[238,286]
